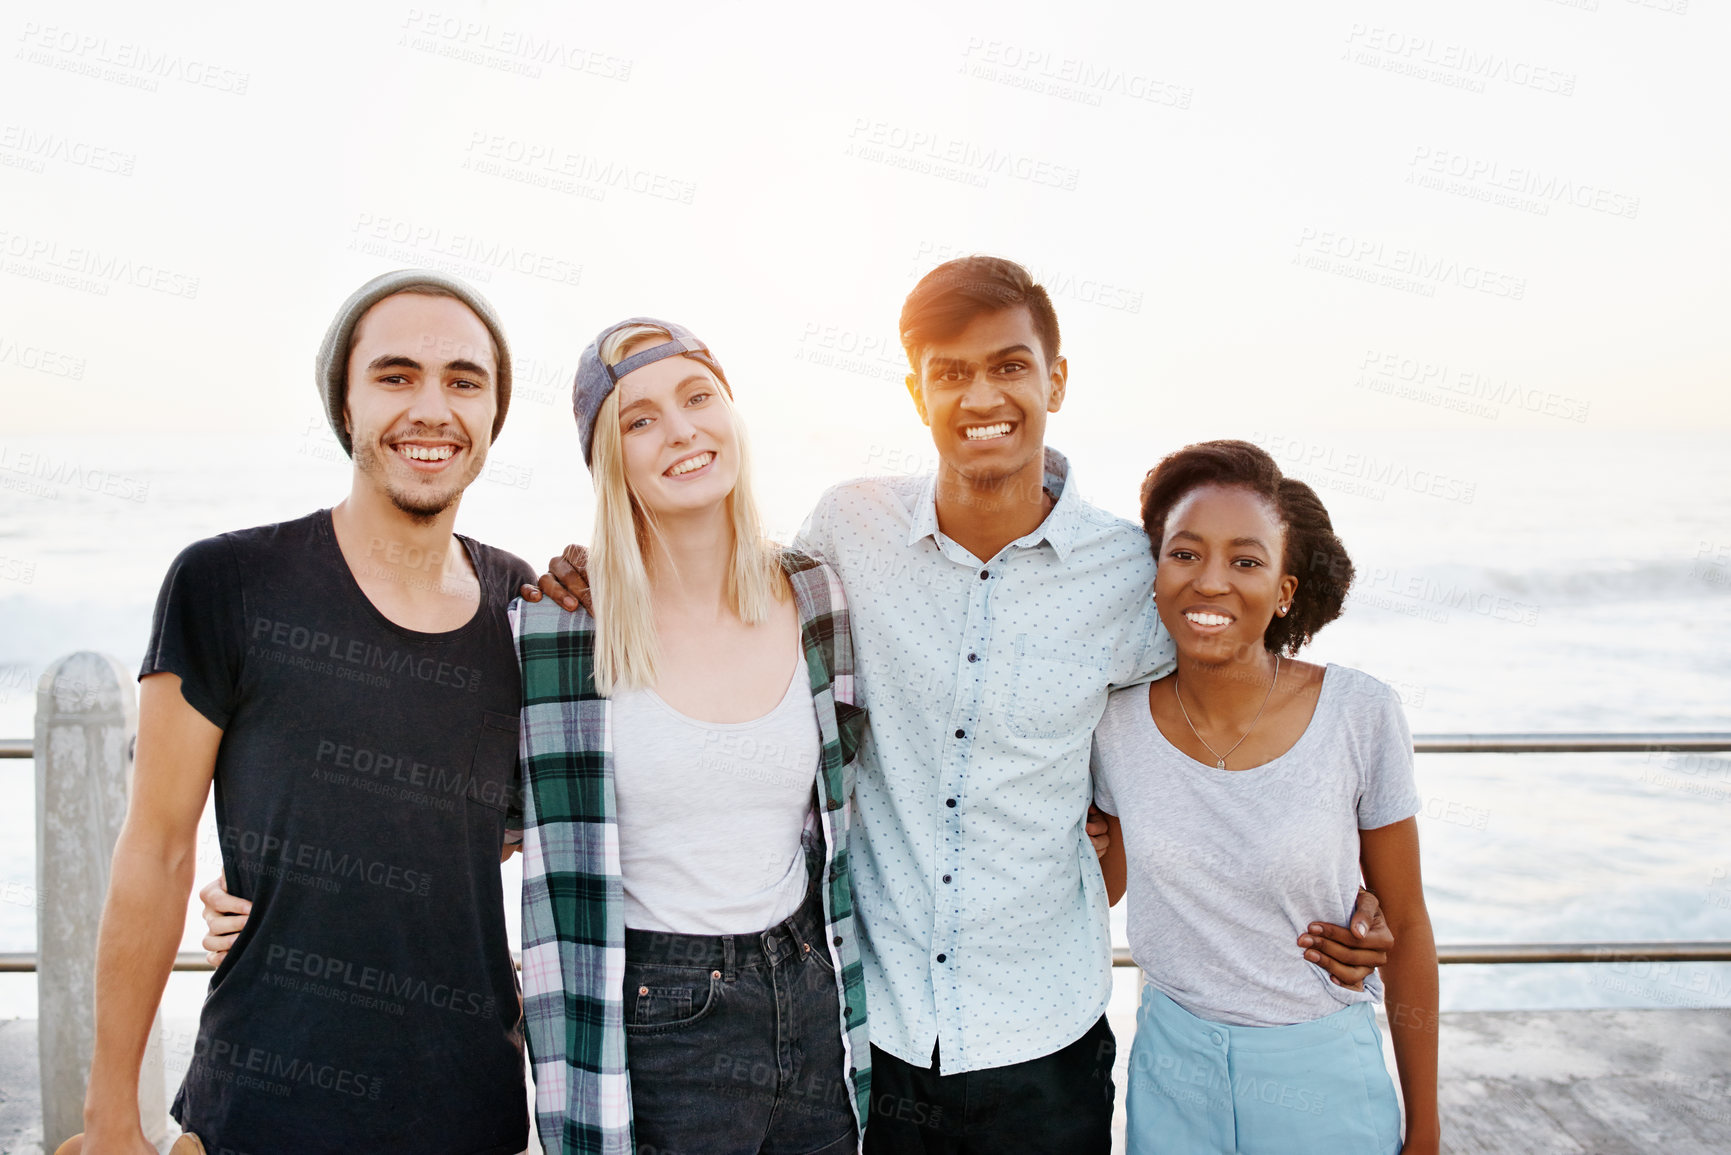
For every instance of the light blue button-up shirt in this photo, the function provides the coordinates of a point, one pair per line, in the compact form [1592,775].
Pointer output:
[980,907]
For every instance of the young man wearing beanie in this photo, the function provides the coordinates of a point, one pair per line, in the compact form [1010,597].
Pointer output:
[348,682]
[993,610]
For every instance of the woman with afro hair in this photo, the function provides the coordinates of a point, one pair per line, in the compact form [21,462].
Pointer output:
[1246,791]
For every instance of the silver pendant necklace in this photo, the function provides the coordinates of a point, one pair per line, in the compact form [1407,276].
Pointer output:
[1220,759]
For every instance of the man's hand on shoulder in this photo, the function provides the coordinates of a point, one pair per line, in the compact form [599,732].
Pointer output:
[566,581]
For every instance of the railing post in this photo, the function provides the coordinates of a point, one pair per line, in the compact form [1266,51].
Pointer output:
[86,722]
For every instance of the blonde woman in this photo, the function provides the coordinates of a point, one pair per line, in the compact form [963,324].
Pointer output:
[690,975]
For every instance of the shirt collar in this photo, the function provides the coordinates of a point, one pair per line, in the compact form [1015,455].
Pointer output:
[1059,530]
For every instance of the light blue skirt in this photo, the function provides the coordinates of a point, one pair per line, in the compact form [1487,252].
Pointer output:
[1200,1088]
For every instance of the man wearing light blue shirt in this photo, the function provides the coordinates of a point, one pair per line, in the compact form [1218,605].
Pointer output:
[993,610]
[983,657]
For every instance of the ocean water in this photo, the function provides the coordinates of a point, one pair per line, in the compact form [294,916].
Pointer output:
[1508,581]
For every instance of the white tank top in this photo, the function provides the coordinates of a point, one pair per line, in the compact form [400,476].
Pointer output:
[711,813]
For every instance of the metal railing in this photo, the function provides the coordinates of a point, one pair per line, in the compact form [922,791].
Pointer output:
[24,962]
[1470,953]
[1571,743]
[1636,743]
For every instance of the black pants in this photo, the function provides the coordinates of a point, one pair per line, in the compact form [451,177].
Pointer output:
[1059,1104]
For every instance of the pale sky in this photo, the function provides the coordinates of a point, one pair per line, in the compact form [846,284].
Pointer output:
[1486,215]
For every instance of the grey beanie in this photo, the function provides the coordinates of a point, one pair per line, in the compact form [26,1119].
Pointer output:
[596,380]
[331,366]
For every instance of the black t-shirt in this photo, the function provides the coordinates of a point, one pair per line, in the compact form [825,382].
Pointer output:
[365,780]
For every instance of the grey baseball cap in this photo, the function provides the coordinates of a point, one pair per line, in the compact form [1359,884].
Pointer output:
[596,380]
[331,366]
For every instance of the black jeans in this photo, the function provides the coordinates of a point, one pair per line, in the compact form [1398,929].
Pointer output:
[734,1042]
[1058,1104]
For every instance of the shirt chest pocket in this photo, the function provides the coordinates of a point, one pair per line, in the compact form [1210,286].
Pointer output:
[493,767]
[1057,688]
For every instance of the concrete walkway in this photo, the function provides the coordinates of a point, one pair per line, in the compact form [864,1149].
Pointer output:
[1594,1082]
[1513,1082]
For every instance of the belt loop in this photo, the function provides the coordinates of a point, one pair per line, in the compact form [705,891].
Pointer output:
[729,964]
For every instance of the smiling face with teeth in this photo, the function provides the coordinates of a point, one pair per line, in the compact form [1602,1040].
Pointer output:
[420,401]
[677,433]
[985,392]
[1221,573]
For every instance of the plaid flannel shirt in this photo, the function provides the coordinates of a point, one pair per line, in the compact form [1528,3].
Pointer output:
[573,895]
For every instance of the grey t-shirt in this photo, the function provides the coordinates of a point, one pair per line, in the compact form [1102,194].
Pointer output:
[1228,867]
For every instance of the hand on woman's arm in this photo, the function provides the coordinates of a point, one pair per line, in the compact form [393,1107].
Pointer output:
[1389,857]
[1350,953]
[1112,865]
